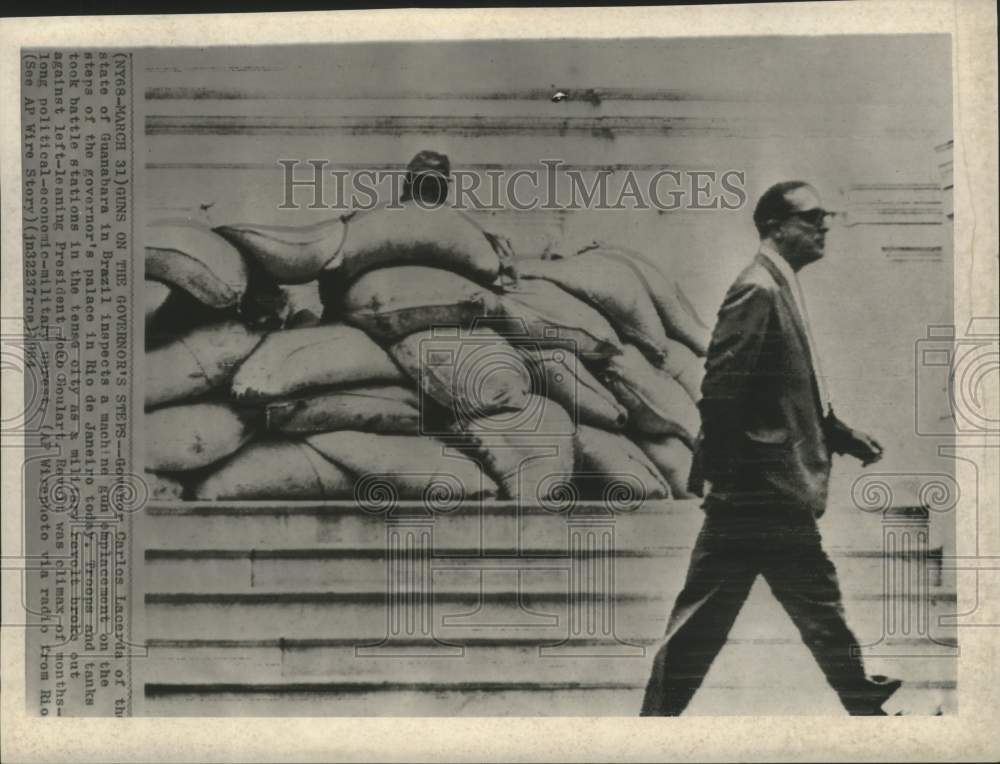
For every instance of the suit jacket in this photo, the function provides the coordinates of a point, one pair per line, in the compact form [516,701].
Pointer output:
[763,441]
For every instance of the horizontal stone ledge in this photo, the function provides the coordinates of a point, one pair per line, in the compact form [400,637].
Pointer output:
[735,124]
[347,507]
[486,554]
[379,597]
[592,96]
[485,642]
[377,553]
[352,688]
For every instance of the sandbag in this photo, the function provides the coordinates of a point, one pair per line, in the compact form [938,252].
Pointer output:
[384,408]
[656,402]
[391,303]
[304,297]
[291,254]
[610,466]
[552,317]
[265,305]
[191,436]
[673,459]
[531,459]
[197,362]
[163,487]
[192,257]
[688,369]
[155,295]
[557,374]
[180,314]
[472,373]
[275,470]
[610,287]
[404,467]
[441,237]
[680,320]
[303,319]
[304,306]
[290,361]
[534,240]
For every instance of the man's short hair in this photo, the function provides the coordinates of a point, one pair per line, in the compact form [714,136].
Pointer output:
[773,207]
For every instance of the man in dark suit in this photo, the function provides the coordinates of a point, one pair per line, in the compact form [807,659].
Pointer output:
[765,452]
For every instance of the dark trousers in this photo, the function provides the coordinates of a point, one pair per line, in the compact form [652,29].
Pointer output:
[733,548]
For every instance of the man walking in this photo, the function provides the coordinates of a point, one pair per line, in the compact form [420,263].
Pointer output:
[765,452]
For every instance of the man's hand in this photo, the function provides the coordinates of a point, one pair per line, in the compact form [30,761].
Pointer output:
[865,448]
[845,440]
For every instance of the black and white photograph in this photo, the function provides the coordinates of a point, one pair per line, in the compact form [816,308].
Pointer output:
[586,376]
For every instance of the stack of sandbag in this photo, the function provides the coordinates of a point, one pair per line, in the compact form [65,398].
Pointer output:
[395,355]
[427,285]
[640,348]
[208,307]
[196,287]
[250,395]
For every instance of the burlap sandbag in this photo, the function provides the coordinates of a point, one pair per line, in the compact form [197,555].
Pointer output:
[294,360]
[470,373]
[155,295]
[612,288]
[290,254]
[190,256]
[163,487]
[391,303]
[688,369]
[192,436]
[303,319]
[389,467]
[266,305]
[673,458]
[197,362]
[680,320]
[275,470]
[557,374]
[373,408]
[303,300]
[530,456]
[304,306]
[440,237]
[656,402]
[610,466]
[552,317]
[180,314]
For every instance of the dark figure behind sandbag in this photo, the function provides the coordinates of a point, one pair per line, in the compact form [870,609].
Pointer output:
[421,230]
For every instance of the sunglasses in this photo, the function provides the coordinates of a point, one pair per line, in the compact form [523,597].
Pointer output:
[815,217]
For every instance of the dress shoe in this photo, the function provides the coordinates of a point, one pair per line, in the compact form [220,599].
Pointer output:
[868,700]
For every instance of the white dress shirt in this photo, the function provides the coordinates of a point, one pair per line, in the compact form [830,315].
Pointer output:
[800,303]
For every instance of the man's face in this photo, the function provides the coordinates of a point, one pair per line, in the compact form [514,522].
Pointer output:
[801,238]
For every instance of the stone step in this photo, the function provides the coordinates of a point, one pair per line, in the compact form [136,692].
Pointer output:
[257,608]
[542,615]
[498,526]
[399,699]
[645,572]
[478,699]
[743,663]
